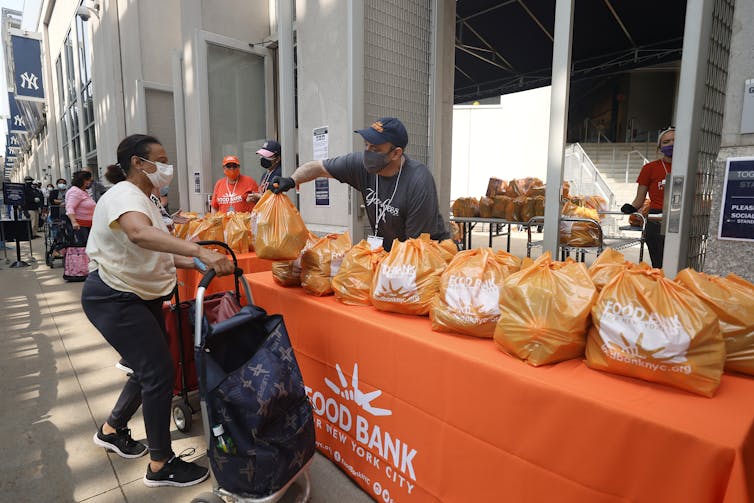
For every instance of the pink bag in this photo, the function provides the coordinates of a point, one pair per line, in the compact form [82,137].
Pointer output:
[76,264]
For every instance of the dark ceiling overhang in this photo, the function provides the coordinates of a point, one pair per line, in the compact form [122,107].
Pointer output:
[506,46]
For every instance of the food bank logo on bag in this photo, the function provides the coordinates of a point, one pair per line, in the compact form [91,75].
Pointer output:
[397,283]
[474,300]
[336,260]
[633,335]
[347,435]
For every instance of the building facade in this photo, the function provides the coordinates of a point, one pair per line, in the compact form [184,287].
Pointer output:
[211,78]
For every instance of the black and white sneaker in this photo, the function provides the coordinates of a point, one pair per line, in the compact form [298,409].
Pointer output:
[120,443]
[123,365]
[177,473]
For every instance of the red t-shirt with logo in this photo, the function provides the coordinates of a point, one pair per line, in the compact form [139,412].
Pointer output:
[227,194]
[653,175]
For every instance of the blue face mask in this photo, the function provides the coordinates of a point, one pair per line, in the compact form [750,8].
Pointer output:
[667,150]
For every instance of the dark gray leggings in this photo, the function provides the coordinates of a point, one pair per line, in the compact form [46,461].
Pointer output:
[136,329]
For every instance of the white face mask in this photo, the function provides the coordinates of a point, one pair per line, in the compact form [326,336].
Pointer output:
[162,177]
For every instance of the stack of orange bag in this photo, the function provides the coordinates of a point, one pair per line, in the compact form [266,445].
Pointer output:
[277,228]
[181,230]
[579,233]
[544,311]
[237,232]
[209,228]
[407,279]
[732,299]
[650,327]
[468,301]
[322,261]
[288,272]
[353,281]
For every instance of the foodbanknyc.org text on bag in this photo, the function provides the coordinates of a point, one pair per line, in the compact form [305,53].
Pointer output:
[653,328]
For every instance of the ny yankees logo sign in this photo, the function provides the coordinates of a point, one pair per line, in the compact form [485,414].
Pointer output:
[29,81]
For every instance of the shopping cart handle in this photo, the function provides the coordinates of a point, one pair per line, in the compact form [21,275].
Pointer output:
[209,274]
[207,278]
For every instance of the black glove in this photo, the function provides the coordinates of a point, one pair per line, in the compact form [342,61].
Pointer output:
[628,209]
[281,184]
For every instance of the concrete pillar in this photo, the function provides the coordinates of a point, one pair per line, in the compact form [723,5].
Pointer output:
[561,76]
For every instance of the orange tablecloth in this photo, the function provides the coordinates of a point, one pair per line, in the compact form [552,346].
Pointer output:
[188,279]
[458,421]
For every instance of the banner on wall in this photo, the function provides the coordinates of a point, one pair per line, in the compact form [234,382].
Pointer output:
[16,122]
[27,68]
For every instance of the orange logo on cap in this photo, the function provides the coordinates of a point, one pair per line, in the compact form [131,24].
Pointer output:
[377,126]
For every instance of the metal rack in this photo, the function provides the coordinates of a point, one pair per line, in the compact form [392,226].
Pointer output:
[616,241]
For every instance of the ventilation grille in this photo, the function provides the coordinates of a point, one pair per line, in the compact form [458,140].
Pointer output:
[711,128]
[396,67]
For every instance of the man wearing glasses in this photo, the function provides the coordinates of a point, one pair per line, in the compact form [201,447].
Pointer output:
[399,193]
[233,192]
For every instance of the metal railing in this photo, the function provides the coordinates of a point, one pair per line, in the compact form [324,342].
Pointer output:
[628,160]
[583,176]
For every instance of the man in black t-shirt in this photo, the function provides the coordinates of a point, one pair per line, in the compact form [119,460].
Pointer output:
[399,193]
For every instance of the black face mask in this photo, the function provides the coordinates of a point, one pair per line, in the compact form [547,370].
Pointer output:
[265,163]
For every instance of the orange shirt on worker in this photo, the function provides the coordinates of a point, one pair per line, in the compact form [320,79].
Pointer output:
[652,176]
[230,196]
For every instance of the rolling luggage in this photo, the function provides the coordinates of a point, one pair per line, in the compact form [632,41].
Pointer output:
[76,263]
[254,408]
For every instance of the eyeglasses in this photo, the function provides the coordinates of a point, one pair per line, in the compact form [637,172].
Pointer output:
[232,166]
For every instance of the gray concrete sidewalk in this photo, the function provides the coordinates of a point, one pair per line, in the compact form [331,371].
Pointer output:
[58,383]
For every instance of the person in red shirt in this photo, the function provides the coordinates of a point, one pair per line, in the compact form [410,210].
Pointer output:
[651,181]
[233,192]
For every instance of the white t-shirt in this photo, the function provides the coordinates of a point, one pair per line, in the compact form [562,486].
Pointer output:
[123,265]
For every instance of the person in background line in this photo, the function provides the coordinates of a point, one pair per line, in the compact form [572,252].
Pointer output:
[399,193]
[651,181]
[34,201]
[132,272]
[270,161]
[96,188]
[46,192]
[56,198]
[233,192]
[79,205]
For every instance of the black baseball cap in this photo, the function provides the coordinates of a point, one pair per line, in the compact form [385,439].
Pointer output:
[269,148]
[385,130]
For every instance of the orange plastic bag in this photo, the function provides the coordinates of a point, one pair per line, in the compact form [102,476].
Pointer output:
[278,229]
[288,272]
[181,230]
[209,228]
[647,326]
[732,299]
[470,292]
[321,262]
[607,266]
[237,232]
[544,311]
[353,281]
[446,248]
[407,279]
[579,233]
